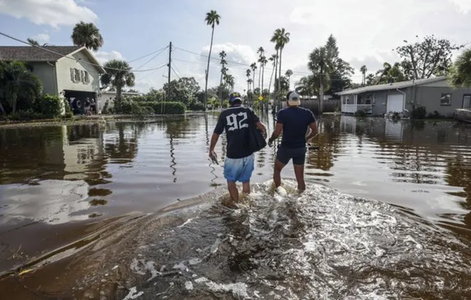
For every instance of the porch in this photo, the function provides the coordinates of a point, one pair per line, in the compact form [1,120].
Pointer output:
[354,103]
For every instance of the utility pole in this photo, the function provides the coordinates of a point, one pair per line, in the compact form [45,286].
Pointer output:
[169,69]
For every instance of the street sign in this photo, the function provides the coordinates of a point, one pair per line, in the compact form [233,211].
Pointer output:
[260,98]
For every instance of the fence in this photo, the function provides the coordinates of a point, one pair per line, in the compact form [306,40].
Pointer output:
[331,105]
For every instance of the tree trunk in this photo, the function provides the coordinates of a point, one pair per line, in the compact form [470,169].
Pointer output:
[321,98]
[2,109]
[119,89]
[207,71]
[253,89]
[279,78]
[220,91]
[260,79]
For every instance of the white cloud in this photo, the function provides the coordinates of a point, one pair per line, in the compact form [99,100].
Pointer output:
[48,12]
[42,38]
[103,56]
[464,6]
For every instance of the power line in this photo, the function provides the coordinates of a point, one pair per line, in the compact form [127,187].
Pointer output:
[154,57]
[71,58]
[134,60]
[175,73]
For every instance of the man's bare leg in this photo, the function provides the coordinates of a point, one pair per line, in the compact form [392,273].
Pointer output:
[233,191]
[277,173]
[246,187]
[299,172]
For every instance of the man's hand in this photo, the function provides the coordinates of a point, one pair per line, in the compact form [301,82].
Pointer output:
[213,156]
[270,142]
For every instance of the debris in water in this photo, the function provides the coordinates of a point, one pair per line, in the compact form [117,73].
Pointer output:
[189,285]
[133,294]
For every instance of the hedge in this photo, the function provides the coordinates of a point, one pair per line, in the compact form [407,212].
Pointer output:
[170,108]
[48,106]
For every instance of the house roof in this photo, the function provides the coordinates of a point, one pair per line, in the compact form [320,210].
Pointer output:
[38,54]
[391,86]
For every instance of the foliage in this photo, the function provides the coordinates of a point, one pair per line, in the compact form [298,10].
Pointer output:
[341,70]
[26,115]
[283,83]
[280,38]
[32,42]
[118,75]
[183,90]
[460,75]
[171,108]
[196,106]
[87,35]
[360,114]
[429,57]
[49,106]
[17,82]
[419,112]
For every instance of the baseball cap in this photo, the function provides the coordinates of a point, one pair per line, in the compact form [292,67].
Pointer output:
[235,96]
[293,99]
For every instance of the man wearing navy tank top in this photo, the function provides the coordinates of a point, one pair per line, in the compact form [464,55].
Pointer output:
[295,122]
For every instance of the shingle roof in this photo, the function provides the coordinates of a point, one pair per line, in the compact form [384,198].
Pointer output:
[391,86]
[28,53]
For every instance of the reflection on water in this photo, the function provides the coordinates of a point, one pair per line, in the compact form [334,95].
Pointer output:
[88,173]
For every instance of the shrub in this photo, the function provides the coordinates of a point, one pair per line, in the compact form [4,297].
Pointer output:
[171,108]
[360,114]
[26,115]
[49,106]
[196,106]
[434,115]
[419,112]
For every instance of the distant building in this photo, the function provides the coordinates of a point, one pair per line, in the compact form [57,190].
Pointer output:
[69,71]
[110,96]
[435,94]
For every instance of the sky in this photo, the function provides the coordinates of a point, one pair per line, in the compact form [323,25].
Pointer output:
[367,31]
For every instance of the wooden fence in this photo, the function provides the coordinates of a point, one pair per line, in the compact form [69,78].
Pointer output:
[331,105]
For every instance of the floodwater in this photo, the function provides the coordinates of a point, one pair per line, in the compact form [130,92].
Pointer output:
[70,190]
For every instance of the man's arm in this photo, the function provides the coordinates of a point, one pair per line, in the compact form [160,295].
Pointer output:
[276,133]
[313,132]
[214,141]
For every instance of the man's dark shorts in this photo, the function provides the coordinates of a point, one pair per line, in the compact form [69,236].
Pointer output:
[298,155]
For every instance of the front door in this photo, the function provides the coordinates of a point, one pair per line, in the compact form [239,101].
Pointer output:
[467,101]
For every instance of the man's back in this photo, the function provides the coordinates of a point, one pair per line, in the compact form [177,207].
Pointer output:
[235,121]
[296,121]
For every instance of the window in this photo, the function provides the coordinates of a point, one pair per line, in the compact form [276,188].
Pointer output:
[467,101]
[86,78]
[445,100]
[77,75]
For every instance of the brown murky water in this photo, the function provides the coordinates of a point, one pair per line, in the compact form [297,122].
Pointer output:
[62,187]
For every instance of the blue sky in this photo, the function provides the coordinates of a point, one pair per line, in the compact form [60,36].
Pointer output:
[366,30]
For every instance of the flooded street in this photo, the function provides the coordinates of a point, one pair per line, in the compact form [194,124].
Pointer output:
[387,214]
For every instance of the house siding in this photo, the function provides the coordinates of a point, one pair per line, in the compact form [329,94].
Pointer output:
[64,78]
[429,97]
[46,73]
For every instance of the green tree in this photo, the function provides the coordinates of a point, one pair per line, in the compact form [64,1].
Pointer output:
[118,75]
[288,75]
[247,74]
[341,70]
[320,64]
[305,86]
[212,19]
[87,35]
[16,81]
[253,66]
[363,71]
[283,83]
[222,55]
[273,59]
[280,38]
[183,90]
[261,59]
[460,75]
[229,79]
[430,57]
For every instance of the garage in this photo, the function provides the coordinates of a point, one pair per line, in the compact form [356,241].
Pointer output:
[395,103]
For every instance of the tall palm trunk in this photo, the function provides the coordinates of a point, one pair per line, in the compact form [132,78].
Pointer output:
[253,89]
[220,90]
[260,79]
[279,78]
[207,71]
[119,89]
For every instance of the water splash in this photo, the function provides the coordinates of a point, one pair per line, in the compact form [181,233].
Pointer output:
[320,244]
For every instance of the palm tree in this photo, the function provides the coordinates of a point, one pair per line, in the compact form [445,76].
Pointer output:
[212,19]
[261,56]
[273,59]
[460,75]
[229,79]
[253,66]
[280,38]
[222,55]
[32,42]
[363,71]
[249,82]
[288,75]
[247,73]
[118,75]
[305,86]
[17,81]
[321,65]
[87,35]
